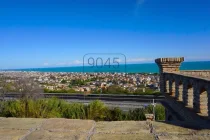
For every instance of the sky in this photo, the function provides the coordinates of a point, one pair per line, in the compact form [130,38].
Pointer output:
[53,33]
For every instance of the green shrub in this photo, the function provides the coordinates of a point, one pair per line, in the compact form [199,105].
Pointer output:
[114,115]
[74,111]
[57,108]
[137,114]
[13,109]
[159,112]
[96,110]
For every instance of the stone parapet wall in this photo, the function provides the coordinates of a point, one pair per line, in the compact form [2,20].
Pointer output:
[183,112]
[202,73]
[191,89]
[188,76]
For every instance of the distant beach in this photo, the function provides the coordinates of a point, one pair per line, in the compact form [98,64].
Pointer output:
[129,68]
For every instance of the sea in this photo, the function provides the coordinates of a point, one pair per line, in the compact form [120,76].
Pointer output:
[128,68]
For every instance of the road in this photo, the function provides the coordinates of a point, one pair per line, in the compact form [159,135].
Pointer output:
[123,105]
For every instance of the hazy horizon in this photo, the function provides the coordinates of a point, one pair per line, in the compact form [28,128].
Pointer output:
[153,63]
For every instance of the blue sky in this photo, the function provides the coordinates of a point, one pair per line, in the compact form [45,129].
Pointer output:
[51,33]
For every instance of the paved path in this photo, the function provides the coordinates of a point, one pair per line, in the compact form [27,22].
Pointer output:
[67,129]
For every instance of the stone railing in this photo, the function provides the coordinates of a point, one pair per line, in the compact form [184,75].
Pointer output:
[191,88]
[197,73]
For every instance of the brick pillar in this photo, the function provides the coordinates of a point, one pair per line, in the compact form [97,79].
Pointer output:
[167,65]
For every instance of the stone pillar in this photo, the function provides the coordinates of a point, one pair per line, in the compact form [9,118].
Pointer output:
[176,90]
[185,92]
[167,65]
[190,97]
[180,96]
[167,86]
[179,91]
[196,98]
[172,88]
[204,103]
[208,92]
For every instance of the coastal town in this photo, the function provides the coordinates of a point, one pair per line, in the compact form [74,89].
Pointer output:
[64,82]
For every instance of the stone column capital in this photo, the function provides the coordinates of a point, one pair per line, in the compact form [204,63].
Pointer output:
[169,64]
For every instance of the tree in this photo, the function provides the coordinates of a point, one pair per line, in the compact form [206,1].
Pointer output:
[114,89]
[27,89]
[4,89]
[63,81]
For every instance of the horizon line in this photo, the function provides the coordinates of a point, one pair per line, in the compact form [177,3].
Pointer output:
[140,63]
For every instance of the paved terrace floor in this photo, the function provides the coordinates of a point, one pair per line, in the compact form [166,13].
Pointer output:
[67,129]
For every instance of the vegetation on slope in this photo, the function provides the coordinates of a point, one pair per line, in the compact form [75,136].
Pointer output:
[56,108]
